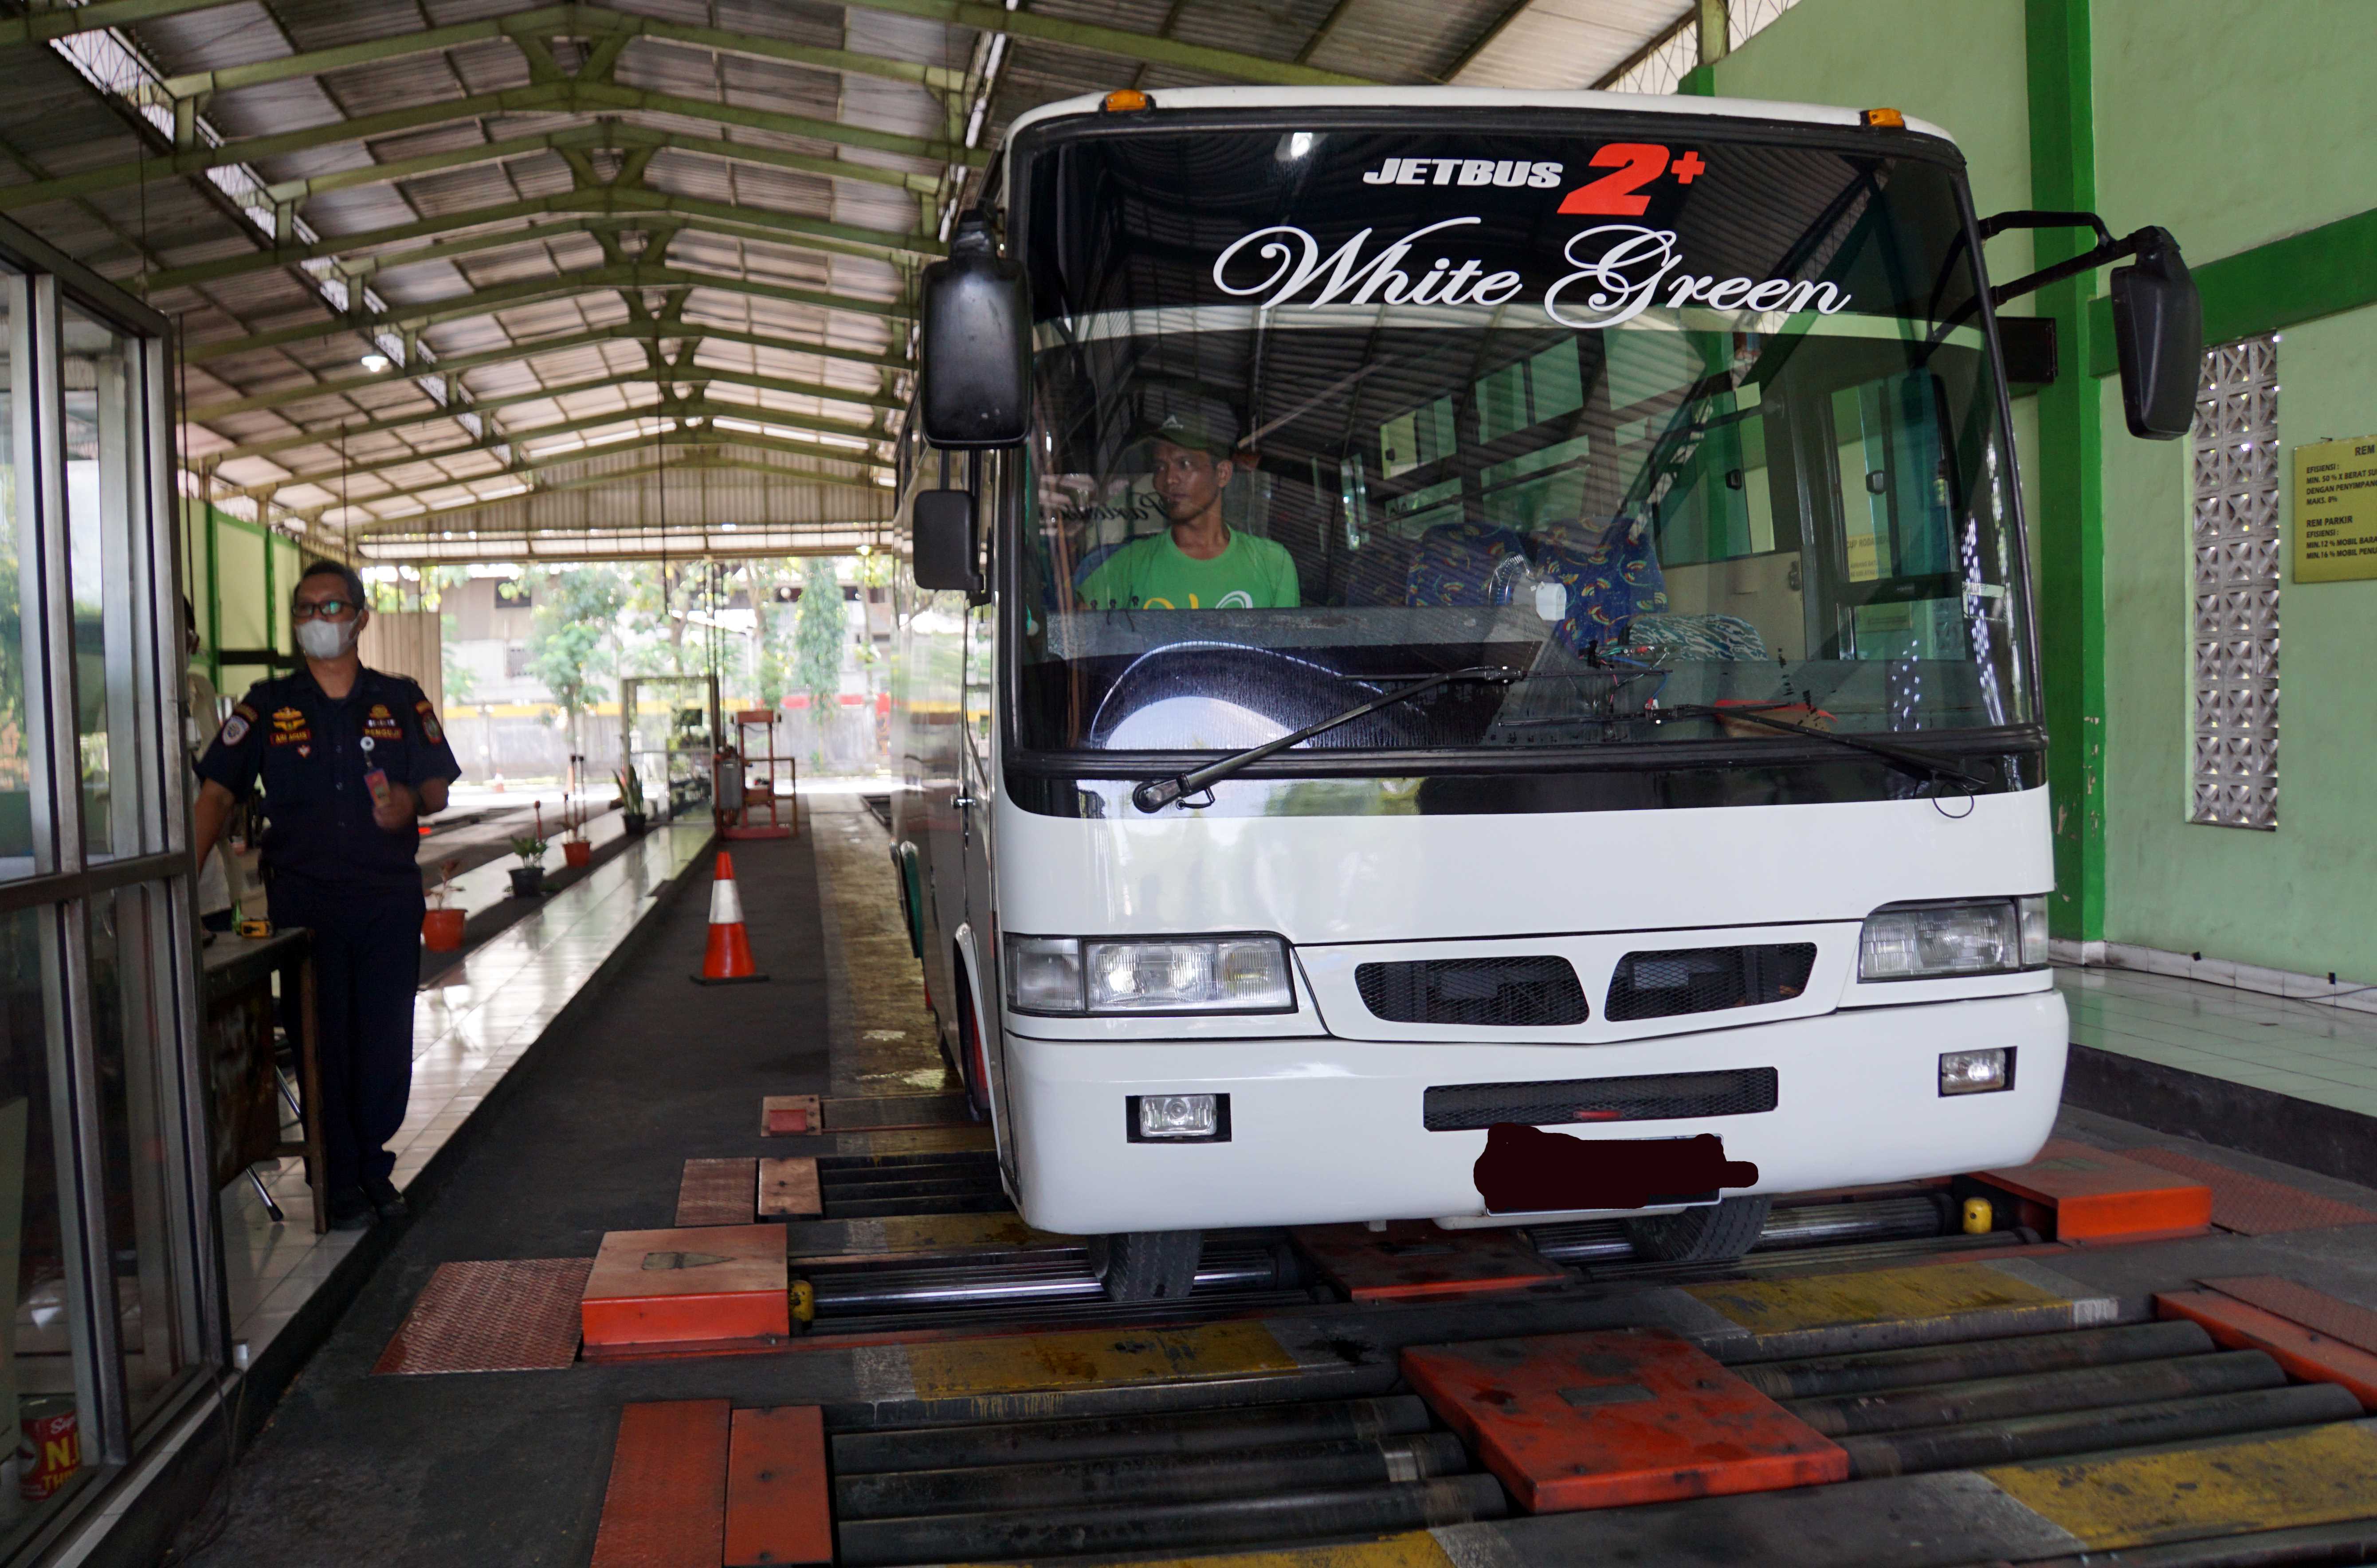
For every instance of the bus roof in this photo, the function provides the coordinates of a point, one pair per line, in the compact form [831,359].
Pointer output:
[1468,98]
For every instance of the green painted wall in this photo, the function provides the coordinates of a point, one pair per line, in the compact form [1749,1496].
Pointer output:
[1958,66]
[2232,91]
[2231,123]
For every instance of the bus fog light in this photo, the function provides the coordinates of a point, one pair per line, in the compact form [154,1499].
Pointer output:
[1975,1073]
[1178,1116]
[1924,941]
[1044,973]
[1199,975]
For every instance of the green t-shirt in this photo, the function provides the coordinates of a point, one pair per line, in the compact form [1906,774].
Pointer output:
[1152,574]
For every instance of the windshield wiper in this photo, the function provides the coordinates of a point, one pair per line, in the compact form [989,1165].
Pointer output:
[1157,794]
[1919,764]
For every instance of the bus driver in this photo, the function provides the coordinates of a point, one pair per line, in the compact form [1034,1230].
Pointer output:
[1199,563]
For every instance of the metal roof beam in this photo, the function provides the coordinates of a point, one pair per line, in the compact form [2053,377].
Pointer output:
[1121,44]
[562,22]
[527,291]
[574,95]
[624,332]
[607,136]
[698,442]
[743,222]
[645,376]
[666,407]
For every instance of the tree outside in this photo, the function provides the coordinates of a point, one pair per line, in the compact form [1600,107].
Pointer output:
[570,644]
[817,637]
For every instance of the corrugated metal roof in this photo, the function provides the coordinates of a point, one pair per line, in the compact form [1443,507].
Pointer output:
[271,340]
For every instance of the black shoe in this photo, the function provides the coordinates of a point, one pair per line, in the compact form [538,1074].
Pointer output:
[350,1210]
[385,1200]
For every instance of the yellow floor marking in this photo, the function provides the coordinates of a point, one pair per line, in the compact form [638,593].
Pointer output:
[1418,1549]
[1094,1358]
[2315,1475]
[1779,1306]
[913,1140]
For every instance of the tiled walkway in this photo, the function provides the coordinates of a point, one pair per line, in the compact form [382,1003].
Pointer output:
[468,1031]
[2306,1049]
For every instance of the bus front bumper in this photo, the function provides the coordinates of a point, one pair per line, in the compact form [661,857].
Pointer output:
[1325,1130]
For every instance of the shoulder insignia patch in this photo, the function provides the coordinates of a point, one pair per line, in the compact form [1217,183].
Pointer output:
[380,724]
[290,728]
[235,729]
[430,728]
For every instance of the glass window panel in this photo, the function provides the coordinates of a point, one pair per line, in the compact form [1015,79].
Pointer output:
[107,522]
[131,1035]
[18,637]
[45,1361]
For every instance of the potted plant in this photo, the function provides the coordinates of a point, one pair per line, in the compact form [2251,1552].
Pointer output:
[441,924]
[528,876]
[631,799]
[576,850]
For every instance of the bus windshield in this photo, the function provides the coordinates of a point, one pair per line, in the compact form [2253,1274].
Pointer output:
[1661,427]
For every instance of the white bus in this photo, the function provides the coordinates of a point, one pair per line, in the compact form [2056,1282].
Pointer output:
[1437,616]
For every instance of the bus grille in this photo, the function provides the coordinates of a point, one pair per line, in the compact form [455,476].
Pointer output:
[1659,1097]
[1706,979]
[1520,993]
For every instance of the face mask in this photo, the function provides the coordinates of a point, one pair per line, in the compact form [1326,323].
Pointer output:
[325,639]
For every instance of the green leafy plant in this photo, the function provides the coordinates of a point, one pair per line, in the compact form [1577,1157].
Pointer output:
[631,790]
[531,846]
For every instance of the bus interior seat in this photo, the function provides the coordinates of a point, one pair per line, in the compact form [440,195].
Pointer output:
[1611,573]
[1455,562]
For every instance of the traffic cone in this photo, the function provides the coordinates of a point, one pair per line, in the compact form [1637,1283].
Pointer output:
[727,961]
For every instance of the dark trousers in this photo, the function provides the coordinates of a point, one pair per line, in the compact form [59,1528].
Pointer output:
[366,968]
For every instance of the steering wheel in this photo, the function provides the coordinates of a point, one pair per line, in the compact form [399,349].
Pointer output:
[1199,695]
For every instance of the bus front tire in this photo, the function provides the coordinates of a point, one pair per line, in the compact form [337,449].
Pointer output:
[1713,1233]
[1147,1265]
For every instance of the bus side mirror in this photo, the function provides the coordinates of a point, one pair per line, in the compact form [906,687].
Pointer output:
[975,375]
[2158,337]
[941,542]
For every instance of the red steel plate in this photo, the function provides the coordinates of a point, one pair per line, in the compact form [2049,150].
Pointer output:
[2252,1205]
[718,1193]
[779,1504]
[510,1315]
[785,1115]
[665,1505]
[2315,1309]
[2097,1196]
[1412,1259]
[698,1285]
[2305,1353]
[1604,1419]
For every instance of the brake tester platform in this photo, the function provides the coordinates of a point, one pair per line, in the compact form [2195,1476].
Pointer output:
[848,1348]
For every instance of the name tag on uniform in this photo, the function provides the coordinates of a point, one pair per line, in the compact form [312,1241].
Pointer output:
[380,724]
[290,728]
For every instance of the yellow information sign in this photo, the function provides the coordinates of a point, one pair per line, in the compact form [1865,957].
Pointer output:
[2336,511]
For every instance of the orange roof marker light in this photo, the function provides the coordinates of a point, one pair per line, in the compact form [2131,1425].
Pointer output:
[1890,119]
[1126,101]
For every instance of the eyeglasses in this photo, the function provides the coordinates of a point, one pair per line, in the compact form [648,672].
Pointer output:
[328,609]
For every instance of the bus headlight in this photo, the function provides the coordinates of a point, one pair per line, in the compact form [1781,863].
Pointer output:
[1194,974]
[1981,936]
[1070,974]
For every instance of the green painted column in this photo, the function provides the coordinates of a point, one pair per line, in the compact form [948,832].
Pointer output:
[2071,521]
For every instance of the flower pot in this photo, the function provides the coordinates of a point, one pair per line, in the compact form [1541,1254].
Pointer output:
[441,930]
[635,821]
[578,853]
[528,881]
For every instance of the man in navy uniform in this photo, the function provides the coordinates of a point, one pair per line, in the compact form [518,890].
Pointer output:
[350,758]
